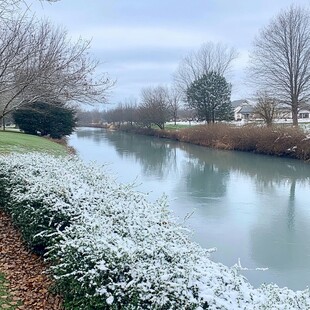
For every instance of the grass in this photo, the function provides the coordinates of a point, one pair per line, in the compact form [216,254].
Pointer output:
[11,141]
[6,300]
[176,127]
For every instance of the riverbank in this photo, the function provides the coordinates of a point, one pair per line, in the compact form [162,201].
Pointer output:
[104,261]
[279,141]
[24,283]
[111,248]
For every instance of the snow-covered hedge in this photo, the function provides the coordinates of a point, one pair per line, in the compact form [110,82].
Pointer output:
[110,248]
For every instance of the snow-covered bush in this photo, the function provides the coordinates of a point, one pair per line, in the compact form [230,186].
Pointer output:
[110,248]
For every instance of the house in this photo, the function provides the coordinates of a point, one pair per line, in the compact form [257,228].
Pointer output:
[304,112]
[244,110]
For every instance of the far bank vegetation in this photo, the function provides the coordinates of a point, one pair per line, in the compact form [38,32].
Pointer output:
[276,140]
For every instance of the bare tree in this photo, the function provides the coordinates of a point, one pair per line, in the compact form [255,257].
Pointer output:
[115,116]
[130,107]
[39,62]
[281,58]
[154,106]
[267,107]
[188,114]
[210,57]
[174,98]
[85,118]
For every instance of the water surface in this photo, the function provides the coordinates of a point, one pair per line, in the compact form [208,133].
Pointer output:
[250,207]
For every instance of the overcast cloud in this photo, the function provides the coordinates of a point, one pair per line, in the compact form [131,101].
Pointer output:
[141,42]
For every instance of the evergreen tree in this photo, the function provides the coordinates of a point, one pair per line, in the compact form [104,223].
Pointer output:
[210,97]
[43,118]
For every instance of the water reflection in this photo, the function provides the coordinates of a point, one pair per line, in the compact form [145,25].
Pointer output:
[266,170]
[284,231]
[205,181]
[291,206]
[90,134]
[155,157]
[250,206]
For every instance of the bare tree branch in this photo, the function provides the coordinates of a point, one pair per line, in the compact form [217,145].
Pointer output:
[154,106]
[9,7]
[174,98]
[210,57]
[39,62]
[267,107]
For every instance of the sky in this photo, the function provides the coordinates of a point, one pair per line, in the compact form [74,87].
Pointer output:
[140,43]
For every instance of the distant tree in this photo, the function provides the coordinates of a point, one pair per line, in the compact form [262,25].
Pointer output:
[154,107]
[210,97]
[85,118]
[280,61]
[174,97]
[187,113]
[266,107]
[54,119]
[115,116]
[216,57]
[130,112]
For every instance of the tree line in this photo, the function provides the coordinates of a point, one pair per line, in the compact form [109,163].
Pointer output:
[156,110]
[203,95]
[160,104]
[40,63]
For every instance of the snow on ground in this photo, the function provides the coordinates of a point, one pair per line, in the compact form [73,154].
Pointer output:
[122,249]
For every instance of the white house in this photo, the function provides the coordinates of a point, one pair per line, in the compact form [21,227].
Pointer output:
[244,110]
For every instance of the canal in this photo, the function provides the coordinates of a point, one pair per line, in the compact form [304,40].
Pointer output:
[250,207]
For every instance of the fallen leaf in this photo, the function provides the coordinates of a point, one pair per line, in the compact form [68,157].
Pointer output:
[25,272]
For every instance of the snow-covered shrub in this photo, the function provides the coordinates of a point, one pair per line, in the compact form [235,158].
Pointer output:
[110,248]
[37,201]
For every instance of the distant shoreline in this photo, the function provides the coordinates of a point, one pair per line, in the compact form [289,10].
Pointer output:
[280,141]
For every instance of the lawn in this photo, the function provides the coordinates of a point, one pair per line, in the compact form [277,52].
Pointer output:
[170,126]
[18,142]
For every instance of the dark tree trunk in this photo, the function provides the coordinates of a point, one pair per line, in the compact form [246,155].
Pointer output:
[3,123]
[295,111]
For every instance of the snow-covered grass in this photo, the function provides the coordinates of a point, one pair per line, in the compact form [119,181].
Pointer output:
[110,248]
